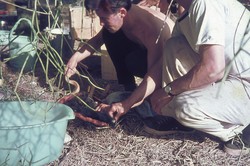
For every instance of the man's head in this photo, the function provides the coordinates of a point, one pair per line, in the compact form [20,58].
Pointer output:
[107,5]
[110,12]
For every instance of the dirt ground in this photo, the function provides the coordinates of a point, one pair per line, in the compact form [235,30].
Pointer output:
[128,144]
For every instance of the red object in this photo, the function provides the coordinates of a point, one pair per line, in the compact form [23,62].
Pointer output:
[3,12]
[69,97]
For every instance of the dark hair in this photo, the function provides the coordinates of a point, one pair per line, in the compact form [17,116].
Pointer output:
[107,5]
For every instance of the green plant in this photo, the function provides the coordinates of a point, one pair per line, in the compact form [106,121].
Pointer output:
[47,56]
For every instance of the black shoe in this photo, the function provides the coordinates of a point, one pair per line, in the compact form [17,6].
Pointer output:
[163,125]
[236,146]
[246,135]
[240,144]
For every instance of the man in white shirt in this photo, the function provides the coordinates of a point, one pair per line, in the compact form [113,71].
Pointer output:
[206,73]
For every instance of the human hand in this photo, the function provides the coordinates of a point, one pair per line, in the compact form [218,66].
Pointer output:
[70,68]
[115,110]
[159,99]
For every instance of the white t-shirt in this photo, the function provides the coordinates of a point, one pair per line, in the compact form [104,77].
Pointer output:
[222,22]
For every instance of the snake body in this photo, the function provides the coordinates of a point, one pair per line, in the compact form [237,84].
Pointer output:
[70,96]
[74,93]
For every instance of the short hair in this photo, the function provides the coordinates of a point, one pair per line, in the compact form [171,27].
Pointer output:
[107,5]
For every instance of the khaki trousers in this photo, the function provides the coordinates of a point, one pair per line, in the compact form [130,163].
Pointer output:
[221,109]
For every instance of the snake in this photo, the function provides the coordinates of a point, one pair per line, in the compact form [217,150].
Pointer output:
[74,93]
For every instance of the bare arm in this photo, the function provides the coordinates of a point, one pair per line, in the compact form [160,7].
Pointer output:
[210,69]
[155,51]
[85,51]
[151,81]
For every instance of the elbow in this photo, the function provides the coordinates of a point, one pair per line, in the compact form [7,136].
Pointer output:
[215,77]
[216,73]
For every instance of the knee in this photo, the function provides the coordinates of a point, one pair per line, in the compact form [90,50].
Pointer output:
[181,115]
[188,116]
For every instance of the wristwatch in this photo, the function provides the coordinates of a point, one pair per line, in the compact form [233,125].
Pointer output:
[168,90]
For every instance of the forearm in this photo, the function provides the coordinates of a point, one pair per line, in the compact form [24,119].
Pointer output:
[84,52]
[209,70]
[194,79]
[150,82]
[90,47]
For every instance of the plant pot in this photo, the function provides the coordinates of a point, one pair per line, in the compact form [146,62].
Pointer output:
[23,49]
[32,132]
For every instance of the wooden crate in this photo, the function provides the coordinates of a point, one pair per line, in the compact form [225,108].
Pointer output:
[83,26]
